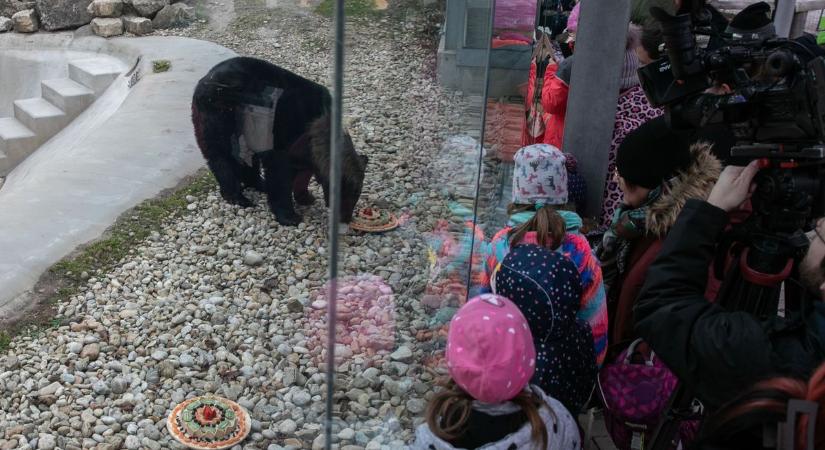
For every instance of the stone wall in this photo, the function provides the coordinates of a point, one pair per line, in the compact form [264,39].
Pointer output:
[106,17]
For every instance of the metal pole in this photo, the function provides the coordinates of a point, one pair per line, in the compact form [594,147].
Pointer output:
[594,91]
[336,139]
[783,17]
[481,145]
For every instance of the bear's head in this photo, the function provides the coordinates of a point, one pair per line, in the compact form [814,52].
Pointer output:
[353,168]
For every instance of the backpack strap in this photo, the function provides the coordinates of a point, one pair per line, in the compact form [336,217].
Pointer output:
[640,347]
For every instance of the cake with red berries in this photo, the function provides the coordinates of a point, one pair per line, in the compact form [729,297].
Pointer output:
[209,423]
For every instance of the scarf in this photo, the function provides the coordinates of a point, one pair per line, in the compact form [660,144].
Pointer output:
[628,225]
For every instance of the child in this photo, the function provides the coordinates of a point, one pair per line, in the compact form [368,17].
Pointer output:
[539,188]
[546,287]
[658,170]
[488,403]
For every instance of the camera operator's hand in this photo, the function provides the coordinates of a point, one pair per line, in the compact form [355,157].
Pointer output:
[719,89]
[733,187]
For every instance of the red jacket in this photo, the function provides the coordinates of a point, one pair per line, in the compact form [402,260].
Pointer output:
[554,93]
[554,101]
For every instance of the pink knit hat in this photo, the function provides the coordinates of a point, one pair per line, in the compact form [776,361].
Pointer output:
[490,351]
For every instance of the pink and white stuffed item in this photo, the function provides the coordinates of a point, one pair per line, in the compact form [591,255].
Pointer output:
[365,315]
[573,22]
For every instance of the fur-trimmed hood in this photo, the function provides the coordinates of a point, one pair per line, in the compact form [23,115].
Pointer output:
[694,182]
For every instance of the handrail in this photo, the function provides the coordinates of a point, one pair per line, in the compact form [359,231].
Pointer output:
[801,5]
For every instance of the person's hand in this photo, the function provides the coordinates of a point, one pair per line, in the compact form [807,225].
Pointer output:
[733,186]
[721,89]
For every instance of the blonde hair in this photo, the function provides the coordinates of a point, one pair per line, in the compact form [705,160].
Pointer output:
[548,224]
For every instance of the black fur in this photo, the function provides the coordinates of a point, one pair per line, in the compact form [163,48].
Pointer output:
[301,132]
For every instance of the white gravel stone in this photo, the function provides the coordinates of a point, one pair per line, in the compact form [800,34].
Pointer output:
[346,434]
[287,427]
[253,259]
[403,354]
[132,442]
[46,441]
[186,360]
[301,398]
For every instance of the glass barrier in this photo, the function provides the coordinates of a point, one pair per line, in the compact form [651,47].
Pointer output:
[179,269]
[414,87]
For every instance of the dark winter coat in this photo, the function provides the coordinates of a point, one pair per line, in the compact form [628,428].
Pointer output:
[694,182]
[547,288]
[715,352]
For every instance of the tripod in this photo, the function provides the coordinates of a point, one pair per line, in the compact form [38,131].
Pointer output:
[754,284]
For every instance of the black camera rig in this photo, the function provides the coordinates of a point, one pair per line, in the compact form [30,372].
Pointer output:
[769,93]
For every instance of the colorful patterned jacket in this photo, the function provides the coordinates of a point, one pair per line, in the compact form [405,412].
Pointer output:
[593,308]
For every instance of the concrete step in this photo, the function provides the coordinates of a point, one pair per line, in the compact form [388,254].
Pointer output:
[5,167]
[94,73]
[16,143]
[68,95]
[41,117]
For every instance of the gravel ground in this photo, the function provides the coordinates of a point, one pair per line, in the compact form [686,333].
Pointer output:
[226,301]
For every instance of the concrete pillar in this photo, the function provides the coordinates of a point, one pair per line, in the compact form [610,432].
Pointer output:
[594,91]
[784,17]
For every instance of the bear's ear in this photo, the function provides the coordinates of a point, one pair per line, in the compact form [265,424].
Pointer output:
[364,160]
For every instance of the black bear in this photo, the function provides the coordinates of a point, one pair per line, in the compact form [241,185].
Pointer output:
[251,115]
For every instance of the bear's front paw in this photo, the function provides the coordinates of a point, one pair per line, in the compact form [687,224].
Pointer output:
[239,200]
[287,218]
[304,199]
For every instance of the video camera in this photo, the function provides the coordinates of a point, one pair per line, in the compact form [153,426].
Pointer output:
[775,110]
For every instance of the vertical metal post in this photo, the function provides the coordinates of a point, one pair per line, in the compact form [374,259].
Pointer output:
[783,17]
[336,140]
[481,145]
[594,91]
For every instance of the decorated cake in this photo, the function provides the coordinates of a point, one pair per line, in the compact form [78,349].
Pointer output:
[373,220]
[209,423]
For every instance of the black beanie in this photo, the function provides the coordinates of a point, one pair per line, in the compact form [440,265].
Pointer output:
[753,20]
[652,153]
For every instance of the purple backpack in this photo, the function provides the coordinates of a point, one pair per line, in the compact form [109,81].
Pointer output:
[635,389]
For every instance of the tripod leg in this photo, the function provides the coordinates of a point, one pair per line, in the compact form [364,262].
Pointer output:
[666,436]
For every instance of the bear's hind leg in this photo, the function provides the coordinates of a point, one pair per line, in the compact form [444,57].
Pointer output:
[278,187]
[300,188]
